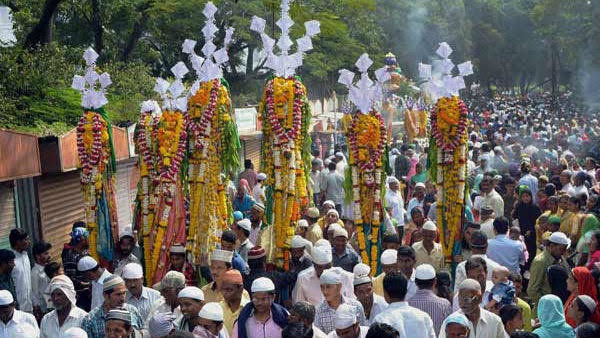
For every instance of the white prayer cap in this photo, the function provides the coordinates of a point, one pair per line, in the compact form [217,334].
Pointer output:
[133,271]
[331,276]
[389,256]
[589,302]
[161,324]
[261,176]
[245,224]
[340,232]
[127,231]
[333,227]
[425,272]
[298,242]
[86,263]
[177,248]
[363,279]
[111,282]
[23,329]
[361,269]
[339,154]
[303,223]
[212,311]
[191,292]
[330,203]
[429,225]
[74,332]
[560,238]
[322,243]
[262,284]
[221,255]
[391,179]
[333,211]
[420,185]
[469,284]
[345,316]
[6,297]
[322,255]
[313,212]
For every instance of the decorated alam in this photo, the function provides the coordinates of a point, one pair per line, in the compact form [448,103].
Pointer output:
[420,206]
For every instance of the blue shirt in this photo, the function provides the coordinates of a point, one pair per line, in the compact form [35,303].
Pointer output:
[243,205]
[506,252]
[239,264]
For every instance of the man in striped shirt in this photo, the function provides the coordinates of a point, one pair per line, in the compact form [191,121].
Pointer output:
[426,300]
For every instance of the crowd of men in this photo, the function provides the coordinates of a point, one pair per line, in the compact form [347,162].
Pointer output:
[529,264]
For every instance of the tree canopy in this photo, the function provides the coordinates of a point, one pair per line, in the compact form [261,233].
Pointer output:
[516,45]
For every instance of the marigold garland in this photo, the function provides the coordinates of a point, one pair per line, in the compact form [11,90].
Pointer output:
[286,160]
[367,138]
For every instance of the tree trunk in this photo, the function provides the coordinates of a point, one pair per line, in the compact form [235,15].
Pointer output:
[137,31]
[41,34]
[250,61]
[97,27]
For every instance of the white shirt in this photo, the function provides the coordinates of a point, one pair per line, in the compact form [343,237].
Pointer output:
[362,334]
[488,326]
[147,299]
[580,190]
[409,321]
[317,333]
[394,199]
[39,282]
[492,199]
[258,192]
[21,276]
[461,273]
[162,307]
[487,227]
[49,325]
[19,317]
[98,289]
[308,287]
[379,305]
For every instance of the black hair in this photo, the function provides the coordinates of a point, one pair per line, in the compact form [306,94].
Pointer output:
[246,232]
[6,255]
[472,225]
[257,263]
[229,236]
[444,284]
[181,334]
[523,334]
[331,166]
[248,164]
[391,238]
[51,269]
[297,330]
[41,247]
[588,330]
[395,285]
[508,312]
[406,251]
[16,235]
[304,309]
[550,189]
[79,224]
[424,284]
[382,330]
[474,263]
[417,209]
[515,277]
[501,225]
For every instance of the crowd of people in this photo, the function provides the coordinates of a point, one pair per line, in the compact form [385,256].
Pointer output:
[529,264]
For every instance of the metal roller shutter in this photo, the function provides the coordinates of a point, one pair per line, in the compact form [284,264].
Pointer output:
[125,194]
[8,218]
[61,204]
[252,152]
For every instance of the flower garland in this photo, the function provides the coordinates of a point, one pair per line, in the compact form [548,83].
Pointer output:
[448,152]
[171,137]
[285,158]
[367,139]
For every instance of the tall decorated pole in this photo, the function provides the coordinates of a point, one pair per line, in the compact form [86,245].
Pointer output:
[213,141]
[146,199]
[367,142]
[286,143]
[169,224]
[97,159]
[447,157]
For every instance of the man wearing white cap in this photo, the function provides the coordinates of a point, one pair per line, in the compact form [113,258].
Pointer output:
[258,191]
[138,295]
[210,322]
[220,262]
[389,263]
[342,255]
[417,200]
[261,318]
[114,291]
[178,262]
[308,285]
[10,318]
[242,231]
[394,200]
[426,300]
[346,324]
[66,314]
[314,231]
[169,288]
[300,259]
[363,289]
[428,251]
[409,321]
[331,287]
[93,272]
[191,301]
[341,163]
[482,323]
[558,243]
[301,228]
[124,250]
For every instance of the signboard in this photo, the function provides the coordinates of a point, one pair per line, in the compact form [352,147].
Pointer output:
[245,119]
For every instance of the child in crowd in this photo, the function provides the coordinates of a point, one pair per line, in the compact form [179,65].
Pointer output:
[503,292]
[515,234]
